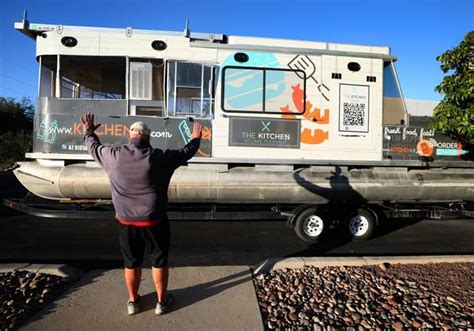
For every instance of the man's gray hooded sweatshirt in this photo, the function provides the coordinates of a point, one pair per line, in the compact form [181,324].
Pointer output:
[139,176]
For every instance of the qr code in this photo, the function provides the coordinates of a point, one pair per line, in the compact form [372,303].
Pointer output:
[353,114]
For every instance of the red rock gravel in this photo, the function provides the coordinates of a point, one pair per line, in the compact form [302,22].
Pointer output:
[453,280]
[383,297]
[24,293]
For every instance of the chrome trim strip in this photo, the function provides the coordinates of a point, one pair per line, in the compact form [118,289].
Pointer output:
[308,162]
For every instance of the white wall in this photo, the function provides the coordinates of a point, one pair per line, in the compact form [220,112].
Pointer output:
[417,107]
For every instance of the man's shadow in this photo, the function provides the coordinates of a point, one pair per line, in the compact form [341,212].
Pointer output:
[188,296]
[340,191]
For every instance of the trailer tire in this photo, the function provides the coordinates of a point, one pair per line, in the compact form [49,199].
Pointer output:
[361,224]
[311,225]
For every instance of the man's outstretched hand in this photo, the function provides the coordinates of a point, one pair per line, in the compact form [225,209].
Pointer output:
[197,131]
[88,123]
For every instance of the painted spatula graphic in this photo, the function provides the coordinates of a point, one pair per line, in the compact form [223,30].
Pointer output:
[304,63]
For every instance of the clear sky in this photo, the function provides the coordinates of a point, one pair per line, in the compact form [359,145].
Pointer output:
[416,30]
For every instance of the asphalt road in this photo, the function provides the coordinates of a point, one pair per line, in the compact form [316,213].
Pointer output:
[94,243]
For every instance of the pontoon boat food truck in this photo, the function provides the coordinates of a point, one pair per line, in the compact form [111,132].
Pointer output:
[317,128]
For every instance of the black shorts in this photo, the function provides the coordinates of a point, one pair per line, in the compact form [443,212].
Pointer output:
[135,240]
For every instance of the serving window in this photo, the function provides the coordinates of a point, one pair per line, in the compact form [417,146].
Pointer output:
[261,90]
[82,77]
[146,79]
[146,91]
[92,77]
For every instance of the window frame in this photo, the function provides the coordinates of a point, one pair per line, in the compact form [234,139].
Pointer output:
[52,80]
[264,69]
[133,104]
[213,69]
[398,89]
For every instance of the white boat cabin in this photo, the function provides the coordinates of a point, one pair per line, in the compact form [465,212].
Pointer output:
[257,98]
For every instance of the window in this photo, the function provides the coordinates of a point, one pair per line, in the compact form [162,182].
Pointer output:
[243,89]
[88,77]
[393,103]
[48,67]
[190,89]
[146,87]
[253,89]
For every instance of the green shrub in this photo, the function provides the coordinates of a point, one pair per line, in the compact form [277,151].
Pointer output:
[454,115]
[13,147]
[16,126]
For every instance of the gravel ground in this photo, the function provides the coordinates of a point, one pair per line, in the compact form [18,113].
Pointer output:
[23,293]
[385,296]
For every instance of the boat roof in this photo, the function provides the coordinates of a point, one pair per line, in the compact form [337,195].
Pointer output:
[218,40]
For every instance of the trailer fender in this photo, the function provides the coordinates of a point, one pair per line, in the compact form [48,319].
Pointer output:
[374,212]
[294,213]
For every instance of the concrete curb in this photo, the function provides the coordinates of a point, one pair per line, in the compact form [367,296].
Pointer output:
[321,262]
[61,270]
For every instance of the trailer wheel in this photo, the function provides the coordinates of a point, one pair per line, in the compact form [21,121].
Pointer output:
[361,224]
[310,225]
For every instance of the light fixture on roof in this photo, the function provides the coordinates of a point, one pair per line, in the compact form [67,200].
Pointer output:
[69,41]
[158,45]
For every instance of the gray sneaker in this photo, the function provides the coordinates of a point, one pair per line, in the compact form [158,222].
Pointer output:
[133,307]
[163,307]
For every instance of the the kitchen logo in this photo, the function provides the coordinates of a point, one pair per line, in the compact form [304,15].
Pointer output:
[254,132]
[265,126]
